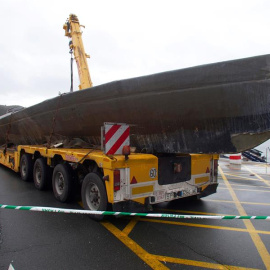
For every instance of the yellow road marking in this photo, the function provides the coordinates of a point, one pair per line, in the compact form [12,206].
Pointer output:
[242,177]
[191,212]
[252,203]
[244,189]
[202,226]
[254,235]
[148,258]
[127,230]
[199,264]
[240,185]
[258,176]
[81,204]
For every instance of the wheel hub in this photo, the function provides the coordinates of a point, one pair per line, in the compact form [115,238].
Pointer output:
[60,183]
[38,174]
[93,199]
[23,164]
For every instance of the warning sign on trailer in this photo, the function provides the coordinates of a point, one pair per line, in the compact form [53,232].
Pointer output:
[115,137]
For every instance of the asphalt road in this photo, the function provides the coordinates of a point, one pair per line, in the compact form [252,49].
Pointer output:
[38,240]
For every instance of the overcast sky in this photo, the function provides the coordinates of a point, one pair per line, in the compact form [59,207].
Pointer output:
[124,38]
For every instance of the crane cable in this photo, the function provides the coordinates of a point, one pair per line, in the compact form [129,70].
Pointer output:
[71,70]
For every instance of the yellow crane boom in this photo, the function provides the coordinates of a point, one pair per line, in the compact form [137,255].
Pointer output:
[73,31]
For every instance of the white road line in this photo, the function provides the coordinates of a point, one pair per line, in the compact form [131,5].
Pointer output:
[11,267]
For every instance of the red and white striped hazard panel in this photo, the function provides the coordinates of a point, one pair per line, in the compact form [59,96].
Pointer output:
[116,136]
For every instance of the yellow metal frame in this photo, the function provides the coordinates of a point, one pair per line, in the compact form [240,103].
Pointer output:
[11,159]
[139,164]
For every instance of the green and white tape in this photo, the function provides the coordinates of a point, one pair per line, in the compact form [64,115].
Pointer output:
[110,213]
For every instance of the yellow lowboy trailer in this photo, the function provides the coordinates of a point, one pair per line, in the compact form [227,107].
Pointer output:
[116,177]
[127,182]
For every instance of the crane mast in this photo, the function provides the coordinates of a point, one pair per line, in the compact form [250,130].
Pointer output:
[73,31]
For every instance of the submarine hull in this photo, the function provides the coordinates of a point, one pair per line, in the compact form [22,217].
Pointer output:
[216,108]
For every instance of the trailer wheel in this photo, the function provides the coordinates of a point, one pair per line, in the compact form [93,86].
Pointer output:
[62,182]
[26,167]
[94,195]
[41,174]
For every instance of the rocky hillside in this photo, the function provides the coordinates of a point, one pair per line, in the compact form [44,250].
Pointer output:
[5,109]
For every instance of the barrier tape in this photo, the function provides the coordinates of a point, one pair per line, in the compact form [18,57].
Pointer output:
[110,213]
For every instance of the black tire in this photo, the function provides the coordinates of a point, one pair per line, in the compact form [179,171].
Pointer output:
[62,182]
[41,174]
[94,195]
[26,167]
